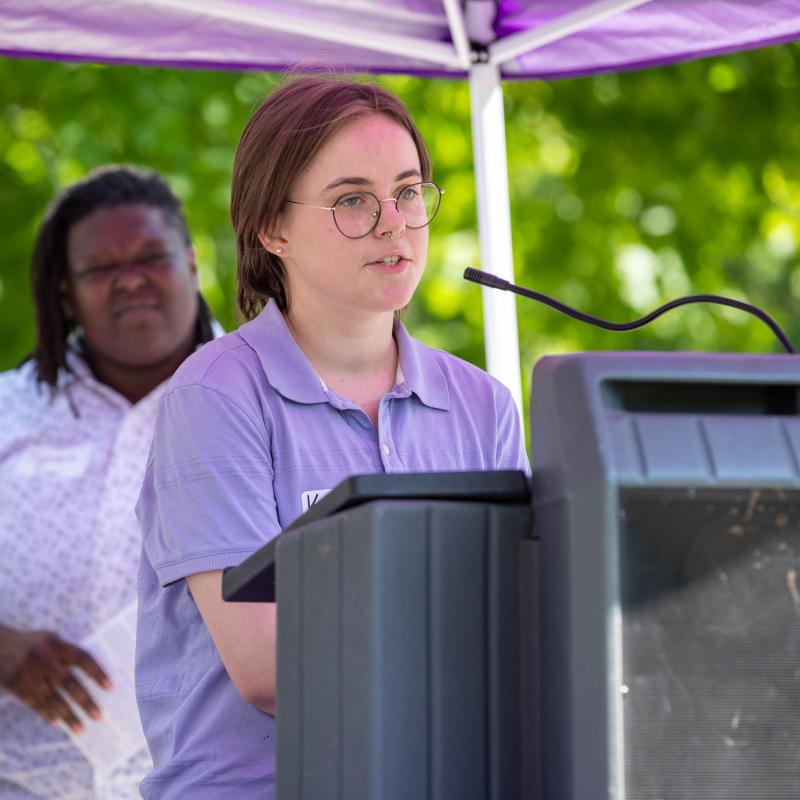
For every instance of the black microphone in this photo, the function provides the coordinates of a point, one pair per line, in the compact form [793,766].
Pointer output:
[493,282]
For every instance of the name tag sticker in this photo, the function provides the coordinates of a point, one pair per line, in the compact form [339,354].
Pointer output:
[308,499]
[57,462]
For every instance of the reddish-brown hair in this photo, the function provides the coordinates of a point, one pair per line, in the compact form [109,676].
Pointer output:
[281,138]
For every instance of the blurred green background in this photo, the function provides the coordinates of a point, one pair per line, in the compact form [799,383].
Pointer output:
[627,190]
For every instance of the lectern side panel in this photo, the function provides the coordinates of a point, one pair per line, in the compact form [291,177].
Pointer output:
[289,596]
[457,636]
[668,511]
[506,528]
[530,670]
[575,645]
[321,620]
[361,742]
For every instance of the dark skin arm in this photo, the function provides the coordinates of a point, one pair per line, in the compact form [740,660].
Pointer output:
[35,664]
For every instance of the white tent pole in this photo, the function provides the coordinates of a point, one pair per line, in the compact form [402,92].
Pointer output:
[494,225]
[268,19]
[518,43]
[458,31]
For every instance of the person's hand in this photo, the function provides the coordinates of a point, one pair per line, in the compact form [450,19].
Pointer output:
[34,665]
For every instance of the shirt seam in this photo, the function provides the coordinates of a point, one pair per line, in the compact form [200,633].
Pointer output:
[197,556]
[197,384]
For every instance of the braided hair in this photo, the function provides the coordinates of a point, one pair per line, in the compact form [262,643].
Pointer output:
[106,187]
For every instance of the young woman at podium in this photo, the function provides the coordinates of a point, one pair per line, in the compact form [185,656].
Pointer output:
[332,196]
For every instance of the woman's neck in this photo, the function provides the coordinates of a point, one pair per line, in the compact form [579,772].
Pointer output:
[356,357]
[134,382]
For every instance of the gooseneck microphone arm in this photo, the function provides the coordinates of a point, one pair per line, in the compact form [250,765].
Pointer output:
[493,282]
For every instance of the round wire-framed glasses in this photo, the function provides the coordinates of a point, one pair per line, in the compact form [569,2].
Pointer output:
[356,214]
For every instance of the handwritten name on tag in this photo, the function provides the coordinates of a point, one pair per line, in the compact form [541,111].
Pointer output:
[308,499]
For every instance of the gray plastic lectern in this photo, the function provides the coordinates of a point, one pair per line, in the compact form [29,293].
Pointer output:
[667,502]
[398,638]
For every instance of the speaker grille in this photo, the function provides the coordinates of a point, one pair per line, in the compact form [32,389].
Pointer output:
[710,595]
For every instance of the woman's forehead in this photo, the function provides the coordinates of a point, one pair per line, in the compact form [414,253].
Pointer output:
[368,150]
[110,225]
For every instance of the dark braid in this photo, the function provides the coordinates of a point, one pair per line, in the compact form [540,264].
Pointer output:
[104,188]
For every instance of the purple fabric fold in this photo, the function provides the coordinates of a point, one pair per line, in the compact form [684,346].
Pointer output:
[252,34]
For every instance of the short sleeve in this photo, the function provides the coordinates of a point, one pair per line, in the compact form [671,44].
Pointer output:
[207,500]
[510,453]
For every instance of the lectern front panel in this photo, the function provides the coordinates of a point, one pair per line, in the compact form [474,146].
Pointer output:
[710,612]
[398,655]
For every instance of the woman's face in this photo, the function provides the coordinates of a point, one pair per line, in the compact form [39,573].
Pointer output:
[132,286]
[326,271]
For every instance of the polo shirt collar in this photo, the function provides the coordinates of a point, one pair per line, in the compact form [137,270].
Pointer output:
[290,373]
[287,369]
[421,371]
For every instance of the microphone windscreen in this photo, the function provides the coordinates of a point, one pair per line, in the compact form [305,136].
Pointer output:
[485,278]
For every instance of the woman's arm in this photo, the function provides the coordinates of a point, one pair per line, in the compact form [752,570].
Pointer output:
[245,636]
[207,503]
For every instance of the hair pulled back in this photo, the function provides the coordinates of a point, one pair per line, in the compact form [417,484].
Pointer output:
[282,137]
[106,187]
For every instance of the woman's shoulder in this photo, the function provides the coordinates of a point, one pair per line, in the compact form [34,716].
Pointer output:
[483,407]
[20,387]
[223,379]
[27,407]
[220,364]
[462,374]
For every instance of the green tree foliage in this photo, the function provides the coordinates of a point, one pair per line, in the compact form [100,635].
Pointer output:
[59,121]
[626,190]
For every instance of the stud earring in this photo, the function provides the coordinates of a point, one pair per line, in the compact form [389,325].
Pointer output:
[278,251]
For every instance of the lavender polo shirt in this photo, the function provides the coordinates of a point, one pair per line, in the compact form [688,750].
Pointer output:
[247,436]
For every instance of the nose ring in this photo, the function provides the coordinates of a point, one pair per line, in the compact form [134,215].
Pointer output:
[388,234]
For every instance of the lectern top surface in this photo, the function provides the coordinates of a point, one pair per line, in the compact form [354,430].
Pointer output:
[742,367]
[506,486]
[253,579]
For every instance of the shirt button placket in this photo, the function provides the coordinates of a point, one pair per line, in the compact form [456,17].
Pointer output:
[386,455]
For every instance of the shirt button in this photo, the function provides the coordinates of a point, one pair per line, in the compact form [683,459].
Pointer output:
[386,449]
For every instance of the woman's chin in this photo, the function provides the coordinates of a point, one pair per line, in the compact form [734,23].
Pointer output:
[397,304]
[399,297]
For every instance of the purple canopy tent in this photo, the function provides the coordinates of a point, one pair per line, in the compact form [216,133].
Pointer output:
[484,41]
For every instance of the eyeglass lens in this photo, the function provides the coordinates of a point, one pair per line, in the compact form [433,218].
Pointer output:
[357,213]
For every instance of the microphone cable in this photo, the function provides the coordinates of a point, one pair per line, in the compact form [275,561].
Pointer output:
[494,282]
